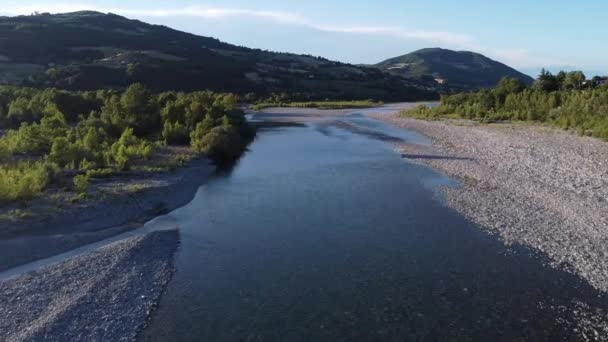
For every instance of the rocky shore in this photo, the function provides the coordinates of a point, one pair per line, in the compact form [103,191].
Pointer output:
[106,295]
[537,186]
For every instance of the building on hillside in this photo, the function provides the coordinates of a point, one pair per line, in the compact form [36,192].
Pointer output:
[596,81]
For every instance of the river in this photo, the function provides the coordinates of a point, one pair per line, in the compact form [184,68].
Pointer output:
[324,233]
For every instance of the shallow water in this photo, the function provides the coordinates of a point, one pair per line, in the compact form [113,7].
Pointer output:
[324,233]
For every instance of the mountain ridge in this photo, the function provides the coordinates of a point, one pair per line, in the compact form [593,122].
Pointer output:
[457,69]
[91,50]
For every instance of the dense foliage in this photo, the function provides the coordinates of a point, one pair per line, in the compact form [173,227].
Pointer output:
[564,100]
[46,131]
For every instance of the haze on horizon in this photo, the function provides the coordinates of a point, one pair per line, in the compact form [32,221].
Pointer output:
[525,35]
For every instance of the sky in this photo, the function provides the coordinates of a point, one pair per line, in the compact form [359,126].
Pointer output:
[525,34]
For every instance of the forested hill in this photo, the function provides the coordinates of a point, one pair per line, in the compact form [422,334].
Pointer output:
[461,70]
[91,50]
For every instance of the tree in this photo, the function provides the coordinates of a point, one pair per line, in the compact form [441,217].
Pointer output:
[138,109]
[221,144]
[574,80]
[19,111]
[122,158]
[546,82]
[510,85]
[91,140]
[202,128]
[62,152]
[176,133]
[561,77]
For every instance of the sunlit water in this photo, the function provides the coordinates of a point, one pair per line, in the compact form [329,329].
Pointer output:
[323,233]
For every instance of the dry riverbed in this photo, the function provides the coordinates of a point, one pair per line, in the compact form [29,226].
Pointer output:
[94,293]
[106,295]
[536,186]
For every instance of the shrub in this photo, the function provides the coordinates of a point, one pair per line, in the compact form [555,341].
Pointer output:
[24,181]
[81,184]
[221,144]
[28,139]
[129,147]
[99,173]
[202,128]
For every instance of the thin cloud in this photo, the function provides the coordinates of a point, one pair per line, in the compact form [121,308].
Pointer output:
[517,57]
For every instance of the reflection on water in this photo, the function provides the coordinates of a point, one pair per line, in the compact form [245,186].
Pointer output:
[321,233]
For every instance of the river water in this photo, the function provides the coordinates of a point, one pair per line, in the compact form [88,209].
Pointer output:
[324,233]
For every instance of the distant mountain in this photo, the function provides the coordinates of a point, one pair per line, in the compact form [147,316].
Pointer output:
[91,50]
[458,69]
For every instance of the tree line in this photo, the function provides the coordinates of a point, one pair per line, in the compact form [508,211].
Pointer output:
[47,131]
[564,100]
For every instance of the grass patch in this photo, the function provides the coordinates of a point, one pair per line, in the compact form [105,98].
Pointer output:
[15,215]
[101,173]
[470,181]
[135,188]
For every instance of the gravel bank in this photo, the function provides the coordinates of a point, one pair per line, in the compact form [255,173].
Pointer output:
[95,220]
[106,295]
[537,186]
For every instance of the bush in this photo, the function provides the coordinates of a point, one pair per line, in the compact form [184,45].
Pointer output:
[81,184]
[128,148]
[24,181]
[221,144]
[100,173]
[67,154]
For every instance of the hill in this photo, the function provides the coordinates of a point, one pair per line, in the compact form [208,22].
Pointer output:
[461,70]
[91,50]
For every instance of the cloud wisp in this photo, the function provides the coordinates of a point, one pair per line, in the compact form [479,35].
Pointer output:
[520,58]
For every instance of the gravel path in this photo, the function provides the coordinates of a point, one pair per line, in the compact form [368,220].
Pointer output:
[537,186]
[106,295]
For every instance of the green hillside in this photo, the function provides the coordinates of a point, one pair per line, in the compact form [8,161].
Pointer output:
[460,70]
[91,50]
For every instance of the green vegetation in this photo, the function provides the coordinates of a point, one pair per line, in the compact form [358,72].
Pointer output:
[318,104]
[564,100]
[48,133]
[81,184]
[24,180]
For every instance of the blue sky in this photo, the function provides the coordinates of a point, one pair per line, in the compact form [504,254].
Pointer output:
[525,34]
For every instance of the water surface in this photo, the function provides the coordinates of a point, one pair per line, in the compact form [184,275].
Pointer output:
[323,233]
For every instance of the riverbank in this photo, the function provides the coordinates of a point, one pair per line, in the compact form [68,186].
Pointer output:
[106,295]
[541,187]
[304,115]
[123,203]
